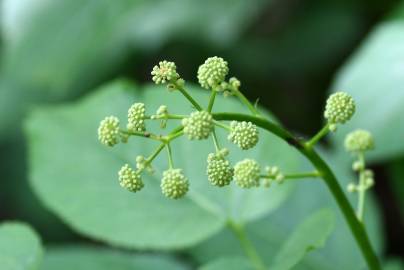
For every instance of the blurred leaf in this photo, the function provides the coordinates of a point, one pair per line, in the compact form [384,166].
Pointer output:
[374,77]
[92,258]
[310,235]
[233,263]
[270,233]
[397,177]
[76,177]
[394,264]
[20,247]
[67,47]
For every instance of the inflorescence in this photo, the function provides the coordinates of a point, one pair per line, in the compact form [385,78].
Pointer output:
[201,124]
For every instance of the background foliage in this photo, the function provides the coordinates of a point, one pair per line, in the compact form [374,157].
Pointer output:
[61,70]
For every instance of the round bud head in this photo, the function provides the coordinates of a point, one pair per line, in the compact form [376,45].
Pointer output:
[130,179]
[108,131]
[164,72]
[198,125]
[358,165]
[358,141]
[351,187]
[247,173]
[174,184]
[136,115]
[234,82]
[244,134]
[212,72]
[219,171]
[340,108]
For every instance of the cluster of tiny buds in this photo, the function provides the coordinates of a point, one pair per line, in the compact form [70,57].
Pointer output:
[198,125]
[243,134]
[368,182]
[219,171]
[273,174]
[339,109]
[165,72]
[136,117]
[359,141]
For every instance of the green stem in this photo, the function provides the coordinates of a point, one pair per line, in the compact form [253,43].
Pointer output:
[356,227]
[189,97]
[156,152]
[324,131]
[142,134]
[215,141]
[168,116]
[246,102]
[224,126]
[301,175]
[211,100]
[246,244]
[170,156]
[362,189]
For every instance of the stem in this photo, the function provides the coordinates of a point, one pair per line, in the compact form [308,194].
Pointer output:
[246,244]
[324,131]
[170,156]
[246,102]
[190,99]
[356,227]
[224,126]
[301,175]
[142,134]
[168,116]
[215,141]
[156,152]
[211,101]
[362,190]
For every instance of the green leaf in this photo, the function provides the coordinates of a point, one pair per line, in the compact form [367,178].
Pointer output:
[20,247]
[89,258]
[76,177]
[396,172]
[271,232]
[311,234]
[233,263]
[394,264]
[374,77]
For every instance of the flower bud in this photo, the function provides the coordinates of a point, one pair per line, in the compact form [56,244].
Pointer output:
[198,125]
[164,72]
[351,187]
[340,108]
[219,171]
[243,134]
[174,184]
[212,72]
[358,141]
[247,173]
[130,179]
[108,131]
[136,115]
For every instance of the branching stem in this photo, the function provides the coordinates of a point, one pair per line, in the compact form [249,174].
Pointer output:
[324,131]
[189,97]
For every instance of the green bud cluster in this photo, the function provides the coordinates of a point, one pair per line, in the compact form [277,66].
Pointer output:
[368,182]
[274,173]
[198,125]
[136,116]
[212,72]
[340,108]
[130,179]
[219,171]
[174,184]
[247,173]
[359,141]
[243,134]
[165,72]
[108,131]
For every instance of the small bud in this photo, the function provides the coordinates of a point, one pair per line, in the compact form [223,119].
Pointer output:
[234,82]
[219,171]
[247,173]
[198,125]
[212,72]
[266,183]
[333,127]
[130,179]
[369,182]
[351,187]
[244,134]
[108,131]
[174,184]
[368,173]
[136,115]
[358,166]
[280,178]
[162,110]
[164,72]
[358,141]
[340,108]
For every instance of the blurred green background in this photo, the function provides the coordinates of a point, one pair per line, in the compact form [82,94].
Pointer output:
[287,53]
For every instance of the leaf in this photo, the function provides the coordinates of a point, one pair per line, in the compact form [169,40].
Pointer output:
[311,234]
[374,76]
[394,264]
[20,247]
[89,258]
[76,177]
[396,172]
[233,263]
[271,232]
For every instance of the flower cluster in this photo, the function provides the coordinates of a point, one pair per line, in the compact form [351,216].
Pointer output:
[213,72]
[359,141]
[219,171]
[244,134]
[198,125]
[340,108]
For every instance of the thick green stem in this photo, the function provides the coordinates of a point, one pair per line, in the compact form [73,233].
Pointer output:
[190,99]
[211,100]
[246,244]
[356,227]
[324,131]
